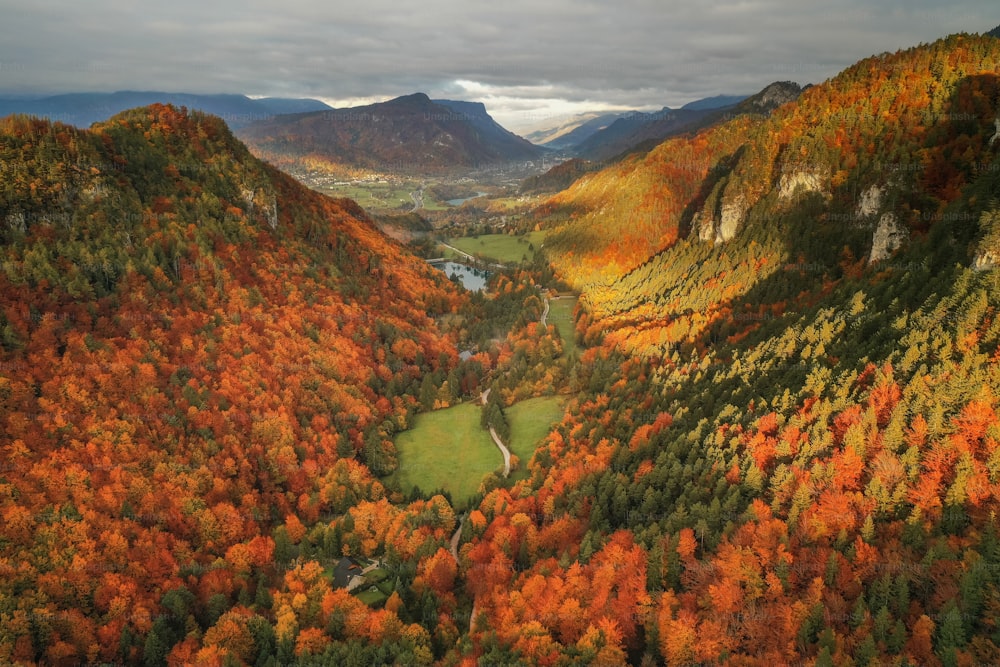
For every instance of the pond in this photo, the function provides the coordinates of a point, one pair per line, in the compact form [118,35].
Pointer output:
[472,279]
[459,202]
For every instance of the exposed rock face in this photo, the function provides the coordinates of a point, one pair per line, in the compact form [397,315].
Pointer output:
[772,97]
[985,260]
[792,182]
[888,237]
[988,252]
[870,202]
[705,227]
[733,213]
[725,227]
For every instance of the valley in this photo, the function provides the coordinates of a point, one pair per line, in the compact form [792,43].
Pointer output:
[259,382]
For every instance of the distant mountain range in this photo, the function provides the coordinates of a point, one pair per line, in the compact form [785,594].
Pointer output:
[568,133]
[637,130]
[636,127]
[84,109]
[409,134]
[714,102]
[574,134]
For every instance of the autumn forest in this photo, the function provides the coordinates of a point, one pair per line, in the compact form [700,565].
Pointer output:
[778,398]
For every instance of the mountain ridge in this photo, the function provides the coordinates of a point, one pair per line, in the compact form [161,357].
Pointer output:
[411,133]
[779,415]
[781,444]
[640,131]
[84,109]
[572,133]
[210,351]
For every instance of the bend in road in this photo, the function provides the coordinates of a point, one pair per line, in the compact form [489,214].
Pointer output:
[456,537]
[496,438]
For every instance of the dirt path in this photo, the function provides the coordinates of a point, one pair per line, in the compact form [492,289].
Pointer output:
[456,537]
[483,397]
[496,438]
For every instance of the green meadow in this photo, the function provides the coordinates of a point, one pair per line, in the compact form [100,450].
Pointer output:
[501,247]
[530,421]
[446,449]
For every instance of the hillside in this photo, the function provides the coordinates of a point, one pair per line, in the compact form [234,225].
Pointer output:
[639,132]
[632,129]
[788,424]
[198,357]
[559,177]
[409,134]
[573,131]
[780,441]
[84,109]
[715,102]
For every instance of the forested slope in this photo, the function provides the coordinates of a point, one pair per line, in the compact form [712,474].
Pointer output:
[200,358]
[786,449]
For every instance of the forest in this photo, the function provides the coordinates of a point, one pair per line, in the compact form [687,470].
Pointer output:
[780,441]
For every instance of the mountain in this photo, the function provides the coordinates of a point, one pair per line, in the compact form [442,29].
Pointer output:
[788,424]
[409,134]
[84,109]
[770,98]
[507,145]
[645,134]
[569,134]
[633,128]
[557,136]
[714,102]
[558,177]
[779,387]
[572,134]
[995,32]
[195,352]
[642,131]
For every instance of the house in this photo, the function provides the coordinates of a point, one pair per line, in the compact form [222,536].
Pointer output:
[347,573]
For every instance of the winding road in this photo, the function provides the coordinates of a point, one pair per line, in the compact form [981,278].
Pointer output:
[418,199]
[456,537]
[496,438]
[483,397]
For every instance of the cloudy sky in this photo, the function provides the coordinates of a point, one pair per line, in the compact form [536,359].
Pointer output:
[530,61]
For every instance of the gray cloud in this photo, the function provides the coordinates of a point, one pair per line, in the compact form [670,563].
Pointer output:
[525,59]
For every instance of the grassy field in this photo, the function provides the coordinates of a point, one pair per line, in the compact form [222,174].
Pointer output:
[530,421]
[561,315]
[446,449]
[372,597]
[376,195]
[501,247]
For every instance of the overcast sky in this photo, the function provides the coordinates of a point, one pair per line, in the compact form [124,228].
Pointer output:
[529,60]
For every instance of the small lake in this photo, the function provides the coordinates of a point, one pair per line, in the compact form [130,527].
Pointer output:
[459,202]
[474,280]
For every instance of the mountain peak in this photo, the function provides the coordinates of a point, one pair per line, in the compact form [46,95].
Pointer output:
[411,134]
[412,99]
[475,109]
[772,97]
